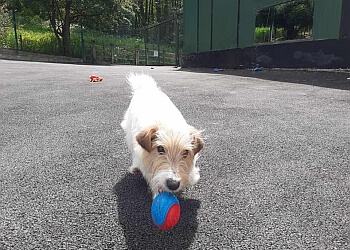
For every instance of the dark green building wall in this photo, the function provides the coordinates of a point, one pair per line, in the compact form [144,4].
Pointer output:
[225,21]
[211,25]
[327,16]
[207,20]
[191,11]
[204,25]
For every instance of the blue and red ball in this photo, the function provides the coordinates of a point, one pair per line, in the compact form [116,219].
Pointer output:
[165,210]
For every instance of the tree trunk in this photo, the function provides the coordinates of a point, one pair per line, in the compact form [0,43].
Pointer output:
[141,18]
[146,15]
[159,12]
[67,51]
[51,10]
[166,16]
[150,12]
[291,32]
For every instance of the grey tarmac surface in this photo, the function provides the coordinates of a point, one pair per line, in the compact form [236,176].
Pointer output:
[274,172]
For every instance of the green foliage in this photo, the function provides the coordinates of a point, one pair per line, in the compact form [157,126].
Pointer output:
[262,34]
[104,38]
[12,4]
[5,25]
[293,17]
[36,40]
[155,11]
[39,39]
[110,16]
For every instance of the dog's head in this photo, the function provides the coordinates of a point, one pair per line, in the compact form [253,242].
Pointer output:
[169,157]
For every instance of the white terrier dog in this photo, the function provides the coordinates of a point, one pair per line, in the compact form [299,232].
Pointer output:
[164,147]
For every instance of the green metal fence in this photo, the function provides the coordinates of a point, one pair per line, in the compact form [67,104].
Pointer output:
[164,42]
[158,44]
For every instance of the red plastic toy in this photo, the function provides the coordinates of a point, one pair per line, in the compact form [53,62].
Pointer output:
[94,78]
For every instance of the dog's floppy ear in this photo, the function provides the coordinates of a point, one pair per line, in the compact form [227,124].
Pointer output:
[198,143]
[144,138]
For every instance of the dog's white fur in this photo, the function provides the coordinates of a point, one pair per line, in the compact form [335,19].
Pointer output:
[164,147]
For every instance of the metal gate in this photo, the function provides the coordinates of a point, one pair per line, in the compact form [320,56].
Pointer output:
[164,42]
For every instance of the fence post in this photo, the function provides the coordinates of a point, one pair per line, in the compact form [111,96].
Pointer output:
[177,41]
[146,54]
[158,44]
[93,45]
[116,54]
[83,56]
[112,53]
[15,27]
[137,56]
[21,42]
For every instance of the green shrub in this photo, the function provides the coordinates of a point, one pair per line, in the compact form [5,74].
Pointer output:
[38,42]
[262,34]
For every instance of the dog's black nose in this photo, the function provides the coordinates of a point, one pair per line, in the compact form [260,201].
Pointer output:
[172,184]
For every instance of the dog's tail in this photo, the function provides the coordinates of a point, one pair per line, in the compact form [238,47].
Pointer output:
[140,81]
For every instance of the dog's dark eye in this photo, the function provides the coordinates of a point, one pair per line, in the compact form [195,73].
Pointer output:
[161,150]
[185,154]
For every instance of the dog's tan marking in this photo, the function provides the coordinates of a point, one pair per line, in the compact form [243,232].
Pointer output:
[144,138]
[198,144]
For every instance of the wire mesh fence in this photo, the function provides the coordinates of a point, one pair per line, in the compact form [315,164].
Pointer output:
[162,45]
[164,42]
[158,44]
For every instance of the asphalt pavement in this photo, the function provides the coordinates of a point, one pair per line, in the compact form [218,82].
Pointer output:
[274,172]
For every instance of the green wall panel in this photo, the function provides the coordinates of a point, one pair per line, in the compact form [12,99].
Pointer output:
[327,17]
[225,21]
[246,24]
[259,4]
[190,25]
[204,25]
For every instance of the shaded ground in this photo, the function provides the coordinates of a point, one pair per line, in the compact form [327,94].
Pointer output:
[11,54]
[274,172]
[327,78]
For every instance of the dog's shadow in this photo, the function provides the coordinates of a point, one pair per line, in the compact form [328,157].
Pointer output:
[134,213]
